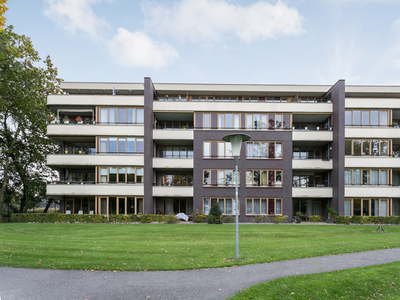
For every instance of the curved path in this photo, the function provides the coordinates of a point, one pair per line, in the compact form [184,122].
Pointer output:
[194,284]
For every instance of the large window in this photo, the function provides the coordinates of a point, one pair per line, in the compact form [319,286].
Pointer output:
[366,176]
[219,178]
[264,149]
[264,178]
[217,149]
[267,121]
[126,145]
[367,207]
[80,148]
[121,115]
[125,205]
[368,147]
[121,174]
[175,125]
[307,207]
[175,151]
[259,206]
[80,175]
[227,205]
[228,121]
[372,118]
[175,179]
[307,153]
[79,205]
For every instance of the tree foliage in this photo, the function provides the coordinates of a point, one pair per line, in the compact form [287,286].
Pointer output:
[25,81]
[215,216]
[3,9]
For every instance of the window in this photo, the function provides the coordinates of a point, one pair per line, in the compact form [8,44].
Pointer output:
[75,205]
[264,121]
[264,149]
[121,145]
[368,147]
[366,176]
[181,179]
[367,117]
[367,207]
[219,178]
[264,178]
[217,149]
[121,115]
[71,148]
[227,205]
[259,206]
[121,174]
[122,205]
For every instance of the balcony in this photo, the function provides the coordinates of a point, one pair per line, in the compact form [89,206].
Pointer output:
[369,132]
[312,192]
[312,135]
[172,191]
[87,189]
[95,160]
[173,163]
[312,164]
[95,100]
[95,130]
[368,191]
[164,134]
[372,162]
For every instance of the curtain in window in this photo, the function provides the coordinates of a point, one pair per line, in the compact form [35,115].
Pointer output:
[374,177]
[383,177]
[357,176]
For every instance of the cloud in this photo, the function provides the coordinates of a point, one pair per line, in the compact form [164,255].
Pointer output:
[76,15]
[215,20]
[139,50]
[339,2]
[396,25]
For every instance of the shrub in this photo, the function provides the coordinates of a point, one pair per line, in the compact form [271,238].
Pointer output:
[170,219]
[215,216]
[280,219]
[315,219]
[198,217]
[159,218]
[343,219]
[146,218]
[229,220]
[356,219]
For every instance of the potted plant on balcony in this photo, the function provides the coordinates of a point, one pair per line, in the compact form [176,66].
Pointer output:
[293,127]
[93,121]
[51,119]
[79,120]
[87,121]
[317,127]
[186,127]
[330,128]
[81,181]
[66,120]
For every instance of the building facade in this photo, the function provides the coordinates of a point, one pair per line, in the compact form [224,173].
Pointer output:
[133,148]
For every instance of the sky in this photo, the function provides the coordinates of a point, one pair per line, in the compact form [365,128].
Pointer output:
[216,41]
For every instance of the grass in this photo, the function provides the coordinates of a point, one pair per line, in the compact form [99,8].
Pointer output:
[138,247]
[382,281]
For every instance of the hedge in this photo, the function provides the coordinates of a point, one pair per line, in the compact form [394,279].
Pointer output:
[64,218]
[367,220]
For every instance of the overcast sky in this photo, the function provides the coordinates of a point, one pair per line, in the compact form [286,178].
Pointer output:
[216,41]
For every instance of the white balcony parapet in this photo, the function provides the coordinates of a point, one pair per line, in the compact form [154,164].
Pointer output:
[312,164]
[365,191]
[372,162]
[95,189]
[95,130]
[175,163]
[95,100]
[313,135]
[312,192]
[164,134]
[96,160]
[372,132]
[172,191]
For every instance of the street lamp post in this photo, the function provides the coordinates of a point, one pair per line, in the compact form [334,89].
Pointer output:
[236,143]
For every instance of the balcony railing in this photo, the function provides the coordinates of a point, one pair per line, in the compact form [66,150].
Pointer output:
[254,99]
[314,185]
[69,182]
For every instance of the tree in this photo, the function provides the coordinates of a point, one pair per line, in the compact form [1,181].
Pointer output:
[215,216]
[23,90]
[3,9]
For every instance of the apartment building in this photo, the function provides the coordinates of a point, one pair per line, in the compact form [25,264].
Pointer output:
[132,148]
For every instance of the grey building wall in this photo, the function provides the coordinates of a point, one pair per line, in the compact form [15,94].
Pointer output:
[149,93]
[284,164]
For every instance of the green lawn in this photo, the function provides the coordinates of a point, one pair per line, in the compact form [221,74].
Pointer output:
[134,247]
[382,281]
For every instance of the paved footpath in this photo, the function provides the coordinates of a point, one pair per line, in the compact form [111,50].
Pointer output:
[32,284]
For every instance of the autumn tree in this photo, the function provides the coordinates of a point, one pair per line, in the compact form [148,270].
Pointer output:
[25,81]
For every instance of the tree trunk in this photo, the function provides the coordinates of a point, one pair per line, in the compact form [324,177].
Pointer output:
[49,202]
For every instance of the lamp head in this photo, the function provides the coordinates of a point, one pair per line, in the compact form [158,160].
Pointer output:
[236,141]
